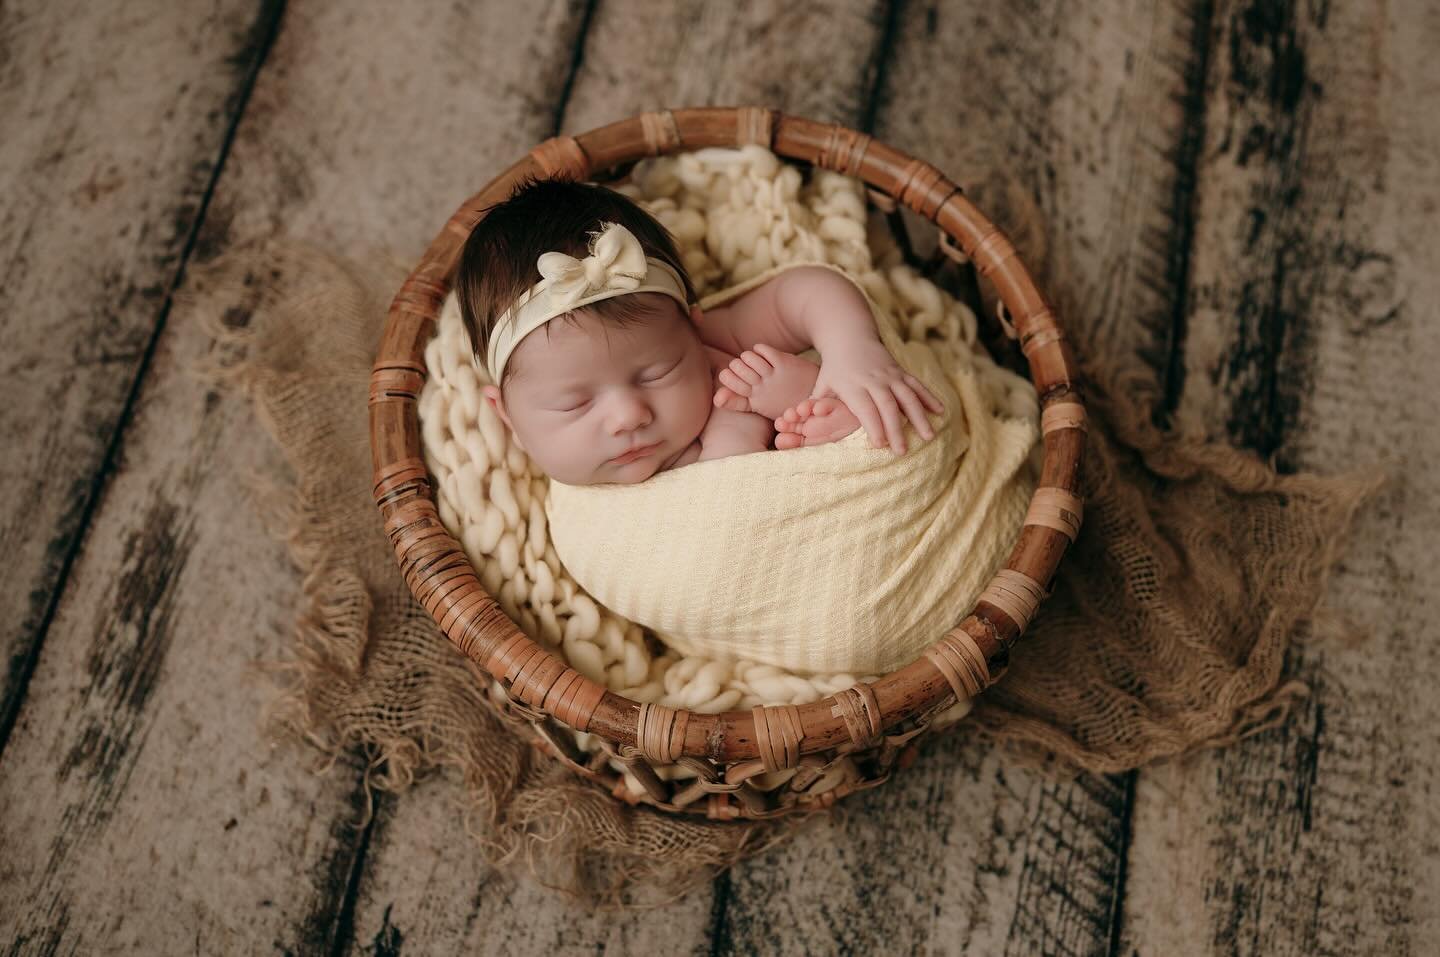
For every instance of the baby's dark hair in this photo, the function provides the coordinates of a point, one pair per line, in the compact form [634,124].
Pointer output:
[497,263]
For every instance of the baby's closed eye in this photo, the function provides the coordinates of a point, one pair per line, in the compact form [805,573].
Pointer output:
[575,404]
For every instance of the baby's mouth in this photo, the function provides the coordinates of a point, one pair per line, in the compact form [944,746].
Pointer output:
[634,454]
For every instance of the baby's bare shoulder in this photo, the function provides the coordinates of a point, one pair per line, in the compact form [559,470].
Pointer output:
[728,420]
[728,432]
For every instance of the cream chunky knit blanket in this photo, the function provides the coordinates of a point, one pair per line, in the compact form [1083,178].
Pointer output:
[836,557]
[776,577]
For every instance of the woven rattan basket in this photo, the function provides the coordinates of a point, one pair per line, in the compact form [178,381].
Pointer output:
[873,726]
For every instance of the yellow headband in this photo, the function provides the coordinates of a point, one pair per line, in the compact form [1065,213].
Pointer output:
[616,266]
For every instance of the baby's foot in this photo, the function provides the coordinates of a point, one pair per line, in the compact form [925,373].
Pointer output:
[766,381]
[814,422]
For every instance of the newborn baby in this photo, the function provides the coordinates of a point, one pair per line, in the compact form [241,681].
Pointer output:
[637,380]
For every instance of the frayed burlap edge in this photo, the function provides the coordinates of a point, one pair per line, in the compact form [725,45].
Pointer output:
[1093,637]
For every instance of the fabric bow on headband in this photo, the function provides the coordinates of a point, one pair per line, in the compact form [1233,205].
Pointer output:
[617,265]
[616,261]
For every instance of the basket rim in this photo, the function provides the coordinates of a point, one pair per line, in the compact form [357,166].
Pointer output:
[964,661]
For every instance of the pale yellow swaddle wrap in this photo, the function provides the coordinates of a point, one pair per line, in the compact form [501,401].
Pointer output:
[836,557]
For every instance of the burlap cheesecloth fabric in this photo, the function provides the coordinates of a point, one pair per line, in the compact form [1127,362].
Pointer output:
[1166,631]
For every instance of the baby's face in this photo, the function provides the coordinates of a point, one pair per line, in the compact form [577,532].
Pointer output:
[590,392]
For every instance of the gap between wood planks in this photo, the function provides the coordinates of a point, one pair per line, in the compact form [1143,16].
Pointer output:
[1192,139]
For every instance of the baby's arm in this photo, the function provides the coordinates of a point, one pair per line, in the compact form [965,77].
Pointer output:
[802,308]
[811,306]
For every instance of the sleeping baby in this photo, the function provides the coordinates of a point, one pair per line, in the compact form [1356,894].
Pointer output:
[638,380]
[849,555]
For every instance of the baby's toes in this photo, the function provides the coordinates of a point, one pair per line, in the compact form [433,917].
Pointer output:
[789,440]
[794,413]
[818,431]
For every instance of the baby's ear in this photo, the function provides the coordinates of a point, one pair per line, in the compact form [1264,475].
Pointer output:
[497,402]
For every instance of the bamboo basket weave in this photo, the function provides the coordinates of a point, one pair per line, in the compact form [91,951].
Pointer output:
[875,725]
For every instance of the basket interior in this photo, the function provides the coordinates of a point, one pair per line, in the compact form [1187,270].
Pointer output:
[490,496]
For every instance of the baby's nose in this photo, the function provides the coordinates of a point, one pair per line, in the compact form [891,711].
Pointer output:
[629,412]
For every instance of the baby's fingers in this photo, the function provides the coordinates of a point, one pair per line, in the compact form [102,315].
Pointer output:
[769,353]
[914,411]
[863,408]
[890,413]
[932,403]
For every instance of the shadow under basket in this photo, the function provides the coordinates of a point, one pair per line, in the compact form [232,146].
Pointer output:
[873,727]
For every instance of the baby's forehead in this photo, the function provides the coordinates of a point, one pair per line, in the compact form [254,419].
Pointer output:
[587,342]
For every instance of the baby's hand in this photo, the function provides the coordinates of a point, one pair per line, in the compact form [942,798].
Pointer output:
[864,376]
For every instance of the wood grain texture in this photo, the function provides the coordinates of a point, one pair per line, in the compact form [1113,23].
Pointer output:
[163,822]
[354,141]
[113,121]
[142,810]
[818,61]
[1312,339]
[426,890]
[959,854]
[1086,110]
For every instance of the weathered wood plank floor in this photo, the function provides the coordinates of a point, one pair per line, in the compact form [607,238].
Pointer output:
[1244,190]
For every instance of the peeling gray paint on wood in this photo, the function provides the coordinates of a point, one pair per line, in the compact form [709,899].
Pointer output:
[141,802]
[817,61]
[429,891]
[371,129]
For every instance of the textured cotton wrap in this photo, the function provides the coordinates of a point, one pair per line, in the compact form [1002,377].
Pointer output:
[836,557]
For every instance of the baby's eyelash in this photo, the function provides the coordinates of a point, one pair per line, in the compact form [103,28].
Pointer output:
[663,374]
[657,378]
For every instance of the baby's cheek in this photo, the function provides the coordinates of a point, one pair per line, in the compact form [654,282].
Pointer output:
[704,392]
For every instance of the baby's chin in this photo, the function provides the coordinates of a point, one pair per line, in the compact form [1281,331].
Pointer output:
[638,470]
[631,473]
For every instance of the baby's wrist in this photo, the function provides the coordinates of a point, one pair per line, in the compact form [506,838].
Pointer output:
[849,344]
